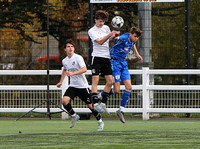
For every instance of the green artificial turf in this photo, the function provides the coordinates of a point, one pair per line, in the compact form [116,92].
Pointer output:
[152,134]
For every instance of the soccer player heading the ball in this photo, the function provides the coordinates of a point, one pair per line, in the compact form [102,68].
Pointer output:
[100,35]
[74,67]
[118,53]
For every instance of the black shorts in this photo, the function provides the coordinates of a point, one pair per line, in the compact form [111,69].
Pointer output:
[101,66]
[82,93]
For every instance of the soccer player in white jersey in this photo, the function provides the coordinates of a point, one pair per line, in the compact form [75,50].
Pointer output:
[74,67]
[100,35]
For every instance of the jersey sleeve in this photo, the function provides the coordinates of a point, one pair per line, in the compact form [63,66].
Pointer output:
[123,37]
[109,31]
[80,61]
[64,66]
[92,35]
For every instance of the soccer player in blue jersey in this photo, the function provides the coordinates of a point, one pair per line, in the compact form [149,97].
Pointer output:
[124,44]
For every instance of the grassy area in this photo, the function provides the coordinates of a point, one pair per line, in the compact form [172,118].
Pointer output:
[133,134]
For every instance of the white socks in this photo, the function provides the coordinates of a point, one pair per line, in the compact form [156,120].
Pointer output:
[122,108]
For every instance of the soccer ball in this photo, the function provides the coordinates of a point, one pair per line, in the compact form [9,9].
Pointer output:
[117,22]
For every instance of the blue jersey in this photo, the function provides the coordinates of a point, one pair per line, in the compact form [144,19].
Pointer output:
[121,48]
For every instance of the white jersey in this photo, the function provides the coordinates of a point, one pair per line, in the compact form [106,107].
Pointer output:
[73,64]
[95,33]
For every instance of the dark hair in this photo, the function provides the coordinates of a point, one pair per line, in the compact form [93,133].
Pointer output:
[136,30]
[70,41]
[101,14]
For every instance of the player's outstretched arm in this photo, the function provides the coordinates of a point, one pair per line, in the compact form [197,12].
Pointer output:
[103,40]
[137,53]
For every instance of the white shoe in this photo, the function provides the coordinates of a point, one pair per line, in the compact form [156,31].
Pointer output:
[103,106]
[100,126]
[74,119]
[99,108]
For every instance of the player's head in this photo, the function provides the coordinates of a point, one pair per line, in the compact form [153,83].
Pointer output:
[69,41]
[69,46]
[134,34]
[101,14]
[101,17]
[136,30]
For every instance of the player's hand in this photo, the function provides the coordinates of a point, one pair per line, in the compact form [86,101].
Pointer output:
[59,84]
[69,74]
[116,38]
[117,33]
[141,59]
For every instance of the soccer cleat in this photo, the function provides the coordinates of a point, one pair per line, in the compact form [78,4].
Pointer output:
[100,126]
[120,114]
[99,108]
[103,106]
[74,119]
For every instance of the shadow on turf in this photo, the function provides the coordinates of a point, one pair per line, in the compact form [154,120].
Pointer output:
[95,133]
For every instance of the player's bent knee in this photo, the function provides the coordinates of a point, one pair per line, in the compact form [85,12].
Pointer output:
[116,91]
[129,88]
[109,83]
[65,101]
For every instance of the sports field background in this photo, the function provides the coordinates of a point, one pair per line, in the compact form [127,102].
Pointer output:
[151,134]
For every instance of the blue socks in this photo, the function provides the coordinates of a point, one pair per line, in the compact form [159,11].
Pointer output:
[125,97]
[111,92]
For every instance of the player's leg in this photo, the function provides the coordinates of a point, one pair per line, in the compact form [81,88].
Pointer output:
[85,96]
[116,71]
[94,94]
[96,65]
[107,88]
[98,118]
[126,94]
[125,76]
[116,87]
[106,71]
[70,94]
[95,81]
[100,95]
[128,87]
[119,112]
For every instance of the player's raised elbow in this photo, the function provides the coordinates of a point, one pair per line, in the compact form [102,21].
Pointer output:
[99,41]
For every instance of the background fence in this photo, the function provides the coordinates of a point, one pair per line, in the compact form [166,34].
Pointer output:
[145,98]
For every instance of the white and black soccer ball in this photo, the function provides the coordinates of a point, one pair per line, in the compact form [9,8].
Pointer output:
[117,22]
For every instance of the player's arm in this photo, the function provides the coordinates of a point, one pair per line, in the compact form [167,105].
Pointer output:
[116,38]
[121,37]
[62,78]
[82,70]
[137,53]
[110,35]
